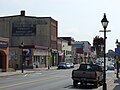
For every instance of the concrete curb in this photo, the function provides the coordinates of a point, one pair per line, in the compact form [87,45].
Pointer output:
[26,71]
[5,74]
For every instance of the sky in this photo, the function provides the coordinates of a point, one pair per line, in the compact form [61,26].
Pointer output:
[79,19]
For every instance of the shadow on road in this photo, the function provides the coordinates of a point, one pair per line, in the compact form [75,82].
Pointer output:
[81,87]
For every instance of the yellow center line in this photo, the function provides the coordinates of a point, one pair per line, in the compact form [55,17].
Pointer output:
[21,83]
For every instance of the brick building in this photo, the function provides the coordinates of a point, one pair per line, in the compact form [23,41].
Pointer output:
[39,38]
[83,51]
[4,52]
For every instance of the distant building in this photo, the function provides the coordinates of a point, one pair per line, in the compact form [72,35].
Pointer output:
[111,54]
[68,49]
[83,50]
[93,52]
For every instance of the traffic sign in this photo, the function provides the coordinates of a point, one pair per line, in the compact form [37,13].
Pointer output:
[117,51]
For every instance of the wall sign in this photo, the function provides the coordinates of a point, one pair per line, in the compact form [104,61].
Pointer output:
[23,29]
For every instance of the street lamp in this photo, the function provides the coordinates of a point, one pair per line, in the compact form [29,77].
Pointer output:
[49,57]
[104,22]
[22,63]
[117,58]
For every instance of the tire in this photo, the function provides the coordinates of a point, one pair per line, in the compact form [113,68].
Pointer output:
[101,82]
[75,83]
[96,84]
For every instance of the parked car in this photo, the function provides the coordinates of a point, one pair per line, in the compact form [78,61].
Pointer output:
[106,67]
[75,63]
[62,65]
[71,65]
[110,67]
[68,65]
[112,63]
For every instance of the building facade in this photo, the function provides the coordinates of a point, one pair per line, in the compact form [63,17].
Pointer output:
[39,38]
[60,52]
[68,48]
[83,51]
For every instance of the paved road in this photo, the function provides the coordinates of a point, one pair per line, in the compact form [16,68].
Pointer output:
[45,80]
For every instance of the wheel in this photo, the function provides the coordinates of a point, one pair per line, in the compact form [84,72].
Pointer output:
[75,82]
[101,82]
[96,84]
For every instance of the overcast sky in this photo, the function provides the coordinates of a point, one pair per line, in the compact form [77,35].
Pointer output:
[80,19]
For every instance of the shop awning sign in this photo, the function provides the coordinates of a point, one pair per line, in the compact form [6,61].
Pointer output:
[3,44]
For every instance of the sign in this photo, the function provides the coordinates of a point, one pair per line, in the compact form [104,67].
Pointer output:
[23,29]
[117,51]
[3,44]
[28,51]
[27,54]
[40,52]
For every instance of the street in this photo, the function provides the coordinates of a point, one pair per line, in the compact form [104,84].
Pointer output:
[45,80]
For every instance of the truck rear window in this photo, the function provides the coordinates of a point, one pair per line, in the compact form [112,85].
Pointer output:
[89,67]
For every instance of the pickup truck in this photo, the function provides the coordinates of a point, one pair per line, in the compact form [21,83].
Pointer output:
[88,73]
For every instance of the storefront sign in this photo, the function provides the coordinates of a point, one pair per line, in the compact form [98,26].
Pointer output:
[3,44]
[40,52]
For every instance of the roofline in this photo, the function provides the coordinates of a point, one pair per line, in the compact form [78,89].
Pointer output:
[27,17]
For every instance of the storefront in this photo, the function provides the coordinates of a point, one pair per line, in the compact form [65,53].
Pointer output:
[4,54]
[40,58]
[31,56]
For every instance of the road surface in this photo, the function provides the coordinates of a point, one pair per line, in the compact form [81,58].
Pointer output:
[45,80]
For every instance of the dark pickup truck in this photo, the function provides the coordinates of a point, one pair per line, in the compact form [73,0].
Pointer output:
[88,73]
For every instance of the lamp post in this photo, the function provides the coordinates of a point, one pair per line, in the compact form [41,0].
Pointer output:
[104,22]
[117,58]
[49,57]
[22,64]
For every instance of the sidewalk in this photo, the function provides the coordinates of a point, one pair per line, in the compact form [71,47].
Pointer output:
[26,71]
[112,84]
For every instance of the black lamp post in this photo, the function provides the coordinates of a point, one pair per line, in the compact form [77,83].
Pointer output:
[49,57]
[22,63]
[117,63]
[104,22]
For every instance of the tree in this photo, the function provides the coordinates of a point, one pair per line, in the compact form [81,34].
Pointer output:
[97,43]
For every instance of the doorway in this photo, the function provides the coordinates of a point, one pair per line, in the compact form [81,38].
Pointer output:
[2,61]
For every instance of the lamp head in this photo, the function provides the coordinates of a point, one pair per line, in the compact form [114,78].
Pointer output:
[104,21]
